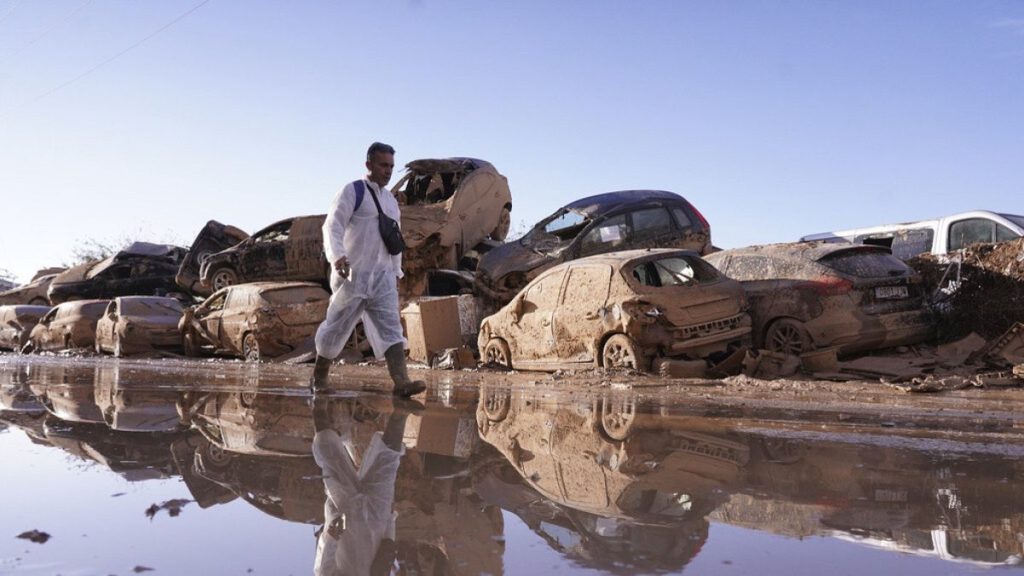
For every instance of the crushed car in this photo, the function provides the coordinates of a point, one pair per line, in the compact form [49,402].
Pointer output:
[16,323]
[449,206]
[254,321]
[289,250]
[139,325]
[141,269]
[213,238]
[604,223]
[619,310]
[66,326]
[810,295]
[34,292]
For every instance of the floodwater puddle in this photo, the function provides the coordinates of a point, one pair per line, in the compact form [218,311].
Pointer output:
[227,468]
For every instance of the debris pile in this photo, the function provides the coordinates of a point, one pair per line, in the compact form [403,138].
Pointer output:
[979,290]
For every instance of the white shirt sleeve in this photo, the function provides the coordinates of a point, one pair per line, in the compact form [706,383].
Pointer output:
[337,220]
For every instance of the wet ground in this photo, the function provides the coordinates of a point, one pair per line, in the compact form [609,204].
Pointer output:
[212,467]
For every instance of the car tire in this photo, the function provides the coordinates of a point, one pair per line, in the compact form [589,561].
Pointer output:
[222,278]
[617,417]
[500,231]
[620,351]
[188,345]
[496,404]
[497,351]
[788,336]
[250,347]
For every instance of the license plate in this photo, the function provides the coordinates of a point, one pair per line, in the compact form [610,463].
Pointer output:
[891,292]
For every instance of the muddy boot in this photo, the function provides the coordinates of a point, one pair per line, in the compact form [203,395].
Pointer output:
[320,371]
[395,356]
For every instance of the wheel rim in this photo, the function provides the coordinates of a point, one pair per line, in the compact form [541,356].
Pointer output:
[618,355]
[496,355]
[617,418]
[496,406]
[222,279]
[251,348]
[787,338]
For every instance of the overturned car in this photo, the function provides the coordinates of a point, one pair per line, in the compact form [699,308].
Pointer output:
[595,225]
[619,310]
[141,269]
[254,321]
[809,295]
[213,238]
[139,325]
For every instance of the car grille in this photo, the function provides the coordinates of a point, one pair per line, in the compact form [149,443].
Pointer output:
[709,328]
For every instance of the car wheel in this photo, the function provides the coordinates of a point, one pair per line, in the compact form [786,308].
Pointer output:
[250,347]
[188,345]
[497,351]
[788,336]
[495,404]
[247,398]
[617,417]
[620,351]
[500,231]
[222,278]
[214,456]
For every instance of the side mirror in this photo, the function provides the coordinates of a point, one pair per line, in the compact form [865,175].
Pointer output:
[516,310]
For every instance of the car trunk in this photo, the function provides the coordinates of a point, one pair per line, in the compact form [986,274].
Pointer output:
[697,304]
[296,307]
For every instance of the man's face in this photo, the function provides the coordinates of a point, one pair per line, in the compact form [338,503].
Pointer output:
[380,167]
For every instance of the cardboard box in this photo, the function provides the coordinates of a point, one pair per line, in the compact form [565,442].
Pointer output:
[432,325]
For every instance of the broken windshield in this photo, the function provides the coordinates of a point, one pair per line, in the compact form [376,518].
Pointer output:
[673,271]
[556,231]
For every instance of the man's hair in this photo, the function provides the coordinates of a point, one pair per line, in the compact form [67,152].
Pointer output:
[378,147]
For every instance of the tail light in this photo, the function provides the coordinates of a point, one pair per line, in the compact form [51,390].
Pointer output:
[702,219]
[829,286]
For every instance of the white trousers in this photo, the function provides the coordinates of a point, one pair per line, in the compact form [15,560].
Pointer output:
[371,297]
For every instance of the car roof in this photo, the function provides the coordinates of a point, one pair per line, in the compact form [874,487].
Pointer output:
[805,250]
[146,299]
[439,164]
[603,203]
[264,286]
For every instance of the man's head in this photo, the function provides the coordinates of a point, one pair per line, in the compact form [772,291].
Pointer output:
[380,161]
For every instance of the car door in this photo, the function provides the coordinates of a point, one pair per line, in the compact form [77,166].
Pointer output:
[234,319]
[42,331]
[208,318]
[263,256]
[534,343]
[106,326]
[577,320]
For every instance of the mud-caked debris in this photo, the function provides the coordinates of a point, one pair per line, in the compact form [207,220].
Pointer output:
[37,536]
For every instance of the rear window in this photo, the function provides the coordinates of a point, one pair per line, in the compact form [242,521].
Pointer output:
[674,271]
[150,307]
[864,264]
[94,309]
[286,296]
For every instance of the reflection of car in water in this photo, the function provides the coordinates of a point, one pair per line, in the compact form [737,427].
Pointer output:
[813,294]
[131,455]
[251,423]
[618,310]
[141,269]
[594,225]
[133,407]
[139,324]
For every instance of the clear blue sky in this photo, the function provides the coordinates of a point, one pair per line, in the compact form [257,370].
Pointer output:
[776,119]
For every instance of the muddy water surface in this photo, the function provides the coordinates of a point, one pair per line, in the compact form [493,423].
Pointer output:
[223,468]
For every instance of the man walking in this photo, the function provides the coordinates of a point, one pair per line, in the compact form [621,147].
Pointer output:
[364,275]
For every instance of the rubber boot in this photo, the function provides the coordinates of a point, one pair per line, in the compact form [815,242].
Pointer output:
[320,371]
[395,356]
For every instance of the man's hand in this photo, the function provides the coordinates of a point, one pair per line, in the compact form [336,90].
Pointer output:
[341,265]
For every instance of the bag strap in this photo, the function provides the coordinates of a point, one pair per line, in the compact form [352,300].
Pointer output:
[360,188]
[375,201]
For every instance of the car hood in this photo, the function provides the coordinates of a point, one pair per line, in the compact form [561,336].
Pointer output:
[512,257]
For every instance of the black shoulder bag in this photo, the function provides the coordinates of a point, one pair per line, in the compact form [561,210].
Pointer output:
[390,232]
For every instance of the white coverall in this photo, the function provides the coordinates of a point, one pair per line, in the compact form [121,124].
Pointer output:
[371,290]
[364,494]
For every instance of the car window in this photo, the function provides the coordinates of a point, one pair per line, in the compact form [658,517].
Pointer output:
[865,264]
[963,233]
[567,225]
[544,294]
[238,298]
[307,228]
[1004,234]
[909,243]
[1016,219]
[606,236]
[747,267]
[650,223]
[276,233]
[111,309]
[682,220]
[217,302]
[93,308]
[151,307]
[587,284]
[674,271]
[300,295]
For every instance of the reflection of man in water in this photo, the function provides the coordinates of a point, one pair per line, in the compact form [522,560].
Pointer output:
[358,536]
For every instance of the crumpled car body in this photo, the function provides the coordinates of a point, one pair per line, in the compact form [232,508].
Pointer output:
[16,324]
[139,325]
[598,224]
[809,295]
[618,310]
[214,237]
[254,321]
[68,325]
[33,293]
[140,269]
[288,250]
[449,206]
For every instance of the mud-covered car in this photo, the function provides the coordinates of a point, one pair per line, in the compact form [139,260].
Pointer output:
[449,206]
[598,224]
[141,269]
[291,249]
[33,293]
[16,323]
[254,321]
[68,325]
[213,238]
[138,325]
[809,295]
[618,310]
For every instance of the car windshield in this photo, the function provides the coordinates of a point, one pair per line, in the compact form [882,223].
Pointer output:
[99,267]
[865,264]
[555,231]
[674,271]
[286,296]
[1016,219]
[150,307]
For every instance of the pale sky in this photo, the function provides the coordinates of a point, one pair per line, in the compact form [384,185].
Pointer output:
[776,119]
